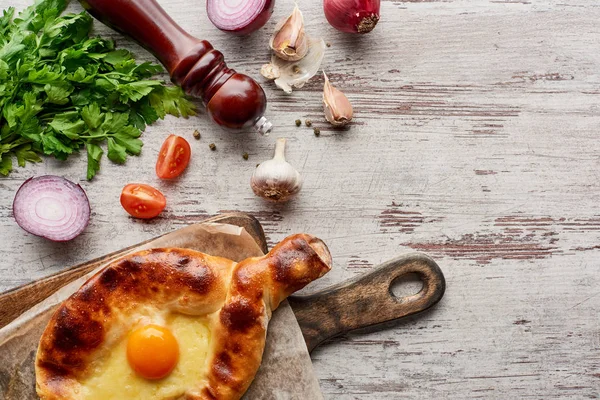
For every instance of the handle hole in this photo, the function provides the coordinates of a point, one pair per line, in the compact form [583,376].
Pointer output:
[406,285]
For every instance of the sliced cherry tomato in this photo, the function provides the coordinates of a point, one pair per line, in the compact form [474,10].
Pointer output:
[142,201]
[173,158]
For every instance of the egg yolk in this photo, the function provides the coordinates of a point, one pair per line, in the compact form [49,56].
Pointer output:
[152,351]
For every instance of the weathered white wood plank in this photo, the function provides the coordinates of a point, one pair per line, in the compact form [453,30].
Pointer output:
[475,141]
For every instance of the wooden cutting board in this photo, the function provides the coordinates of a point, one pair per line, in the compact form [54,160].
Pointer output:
[357,303]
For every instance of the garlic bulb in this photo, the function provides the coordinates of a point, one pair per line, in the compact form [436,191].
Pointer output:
[337,107]
[294,74]
[275,179]
[289,41]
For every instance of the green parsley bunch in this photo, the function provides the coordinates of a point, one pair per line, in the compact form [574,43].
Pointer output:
[62,90]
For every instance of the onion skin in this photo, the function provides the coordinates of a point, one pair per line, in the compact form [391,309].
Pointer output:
[55,192]
[352,16]
[246,27]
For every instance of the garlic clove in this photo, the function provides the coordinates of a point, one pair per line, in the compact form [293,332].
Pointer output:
[337,107]
[289,42]
[294,74]
[276,180]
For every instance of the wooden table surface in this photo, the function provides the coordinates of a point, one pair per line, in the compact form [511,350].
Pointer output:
[475,141]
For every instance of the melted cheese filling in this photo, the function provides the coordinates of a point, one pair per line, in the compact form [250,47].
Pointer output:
[113,378]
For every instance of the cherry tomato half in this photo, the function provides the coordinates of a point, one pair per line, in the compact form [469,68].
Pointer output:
[173,158]
[142,201]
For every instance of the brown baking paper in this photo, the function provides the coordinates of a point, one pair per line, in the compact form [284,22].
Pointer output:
[286,371]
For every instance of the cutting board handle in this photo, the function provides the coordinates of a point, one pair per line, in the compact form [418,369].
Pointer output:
[368,299]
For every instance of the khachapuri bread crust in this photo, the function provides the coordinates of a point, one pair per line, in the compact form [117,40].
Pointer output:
[235,299]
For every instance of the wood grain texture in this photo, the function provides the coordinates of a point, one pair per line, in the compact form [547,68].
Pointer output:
[367,300]
[475,140]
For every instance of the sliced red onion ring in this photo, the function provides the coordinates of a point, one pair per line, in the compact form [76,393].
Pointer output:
[240,17]
[51,207]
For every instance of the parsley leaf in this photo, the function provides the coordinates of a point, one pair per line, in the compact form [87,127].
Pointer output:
[5,164]
[65,124]
[24,153]
[116,152]
[94,153]
[128,138]
[92,115]
[62,90]
[117,56]
[58,93]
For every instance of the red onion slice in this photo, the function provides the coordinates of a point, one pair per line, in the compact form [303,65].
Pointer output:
[240,17]
[51,207]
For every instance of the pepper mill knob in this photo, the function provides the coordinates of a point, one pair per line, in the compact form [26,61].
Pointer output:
[230,104]
[232,100]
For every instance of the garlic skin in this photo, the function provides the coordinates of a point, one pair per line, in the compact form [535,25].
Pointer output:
[296,57]
[337,107]
[289,42]
[294,74]
[270,71]
[276,180]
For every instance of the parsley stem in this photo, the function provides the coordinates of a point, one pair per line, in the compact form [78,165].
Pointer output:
[101,136]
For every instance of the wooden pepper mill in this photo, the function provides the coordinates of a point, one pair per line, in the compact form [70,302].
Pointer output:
[232,100]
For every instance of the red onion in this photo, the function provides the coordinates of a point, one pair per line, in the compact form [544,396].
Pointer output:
[354,16]
[239,17]
[51,207]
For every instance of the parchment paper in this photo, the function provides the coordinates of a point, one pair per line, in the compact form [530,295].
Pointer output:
[286,371]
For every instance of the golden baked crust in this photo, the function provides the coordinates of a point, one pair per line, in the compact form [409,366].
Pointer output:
[237,299]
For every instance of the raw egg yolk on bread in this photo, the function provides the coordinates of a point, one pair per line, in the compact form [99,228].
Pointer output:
[152,351]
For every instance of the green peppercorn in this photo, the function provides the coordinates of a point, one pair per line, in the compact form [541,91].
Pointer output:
[317,132]
[196,135]
[298,122]
[245,156]
[213,146]
[308,122]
